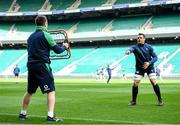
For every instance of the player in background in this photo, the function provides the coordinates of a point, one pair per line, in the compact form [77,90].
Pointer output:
[145,59]
[39,71]
[109,72]
[100,74]
[158,73]
[16,72]
[124,74]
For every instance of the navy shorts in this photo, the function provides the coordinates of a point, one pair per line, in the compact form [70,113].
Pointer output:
[40,75]
[16,74]
[141,71]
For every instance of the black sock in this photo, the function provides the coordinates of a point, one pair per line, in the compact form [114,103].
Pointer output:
[134,93]
[157,91]
[108,80]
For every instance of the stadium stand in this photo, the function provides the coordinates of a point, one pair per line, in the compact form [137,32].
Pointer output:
[102,57]
[99,24]
[61,25]
[104,26]
[91,3]
[175,62]
[133,22]
[9,57]
[61,4]
[5,5]
[24,26]
[127,1]
[59,65]
[28,5]
[166,20]
[85,61]
[92,25]
[5,25]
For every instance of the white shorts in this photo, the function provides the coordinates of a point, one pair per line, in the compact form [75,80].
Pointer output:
[139,77]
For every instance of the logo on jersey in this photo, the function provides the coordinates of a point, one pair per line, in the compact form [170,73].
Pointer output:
[46,88]
[152,71]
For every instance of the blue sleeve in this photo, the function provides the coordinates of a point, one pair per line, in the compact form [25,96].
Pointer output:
[131,49]
[58,49]
[153,56]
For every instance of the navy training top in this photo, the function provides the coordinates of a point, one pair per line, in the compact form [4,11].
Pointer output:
[143,53]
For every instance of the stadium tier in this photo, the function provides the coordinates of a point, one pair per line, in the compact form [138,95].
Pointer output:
[28,5]
[166,20]
[127,1]
[65,25]
[24,26]
[21,30]
[92,25]
[5,5]
[47,5]
[77,54]
[5,25]
[174,61]
[91,3]
[101,57]
[133,22]
[87,60]
[9,59]
[89,25]
[61,4]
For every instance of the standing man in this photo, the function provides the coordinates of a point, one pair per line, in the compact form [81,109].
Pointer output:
[145,59]
[16,72]
[39,71]
[158,73]
[109,71]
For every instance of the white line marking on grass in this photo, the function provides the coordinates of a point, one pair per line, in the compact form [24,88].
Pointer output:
[86,119]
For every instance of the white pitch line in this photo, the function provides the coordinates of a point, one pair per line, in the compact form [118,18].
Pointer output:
[86,119]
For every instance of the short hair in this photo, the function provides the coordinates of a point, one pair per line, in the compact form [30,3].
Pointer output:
[40,20]
[142,35]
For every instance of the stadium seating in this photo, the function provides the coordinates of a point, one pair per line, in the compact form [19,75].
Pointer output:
[30,26]
[166,20]
[102,57]
[133,22]
[91,25]
[61,4]
[88,25]
[8,57]
[127,1]
[5,5]
[61,25]
[174,62]
[5,25]
[76,55]
[28,5]
[87,60]
[25,26]
[91,3]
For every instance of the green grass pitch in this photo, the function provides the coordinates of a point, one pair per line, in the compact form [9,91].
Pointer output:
[83,101]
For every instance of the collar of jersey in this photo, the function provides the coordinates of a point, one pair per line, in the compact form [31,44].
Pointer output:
[43,28]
